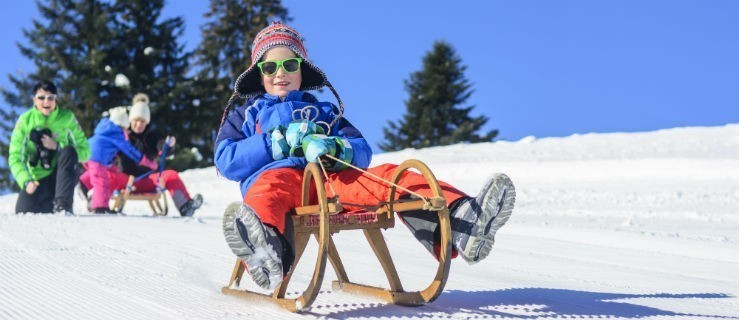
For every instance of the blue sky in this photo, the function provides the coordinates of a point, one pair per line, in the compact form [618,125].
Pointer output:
[541,68]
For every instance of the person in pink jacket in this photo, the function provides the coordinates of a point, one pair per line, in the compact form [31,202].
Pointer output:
[147,141]
[108,139]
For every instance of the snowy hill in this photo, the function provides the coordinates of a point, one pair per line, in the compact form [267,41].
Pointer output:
[621,225]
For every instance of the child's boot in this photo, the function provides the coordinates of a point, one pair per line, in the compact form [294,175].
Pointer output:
[188,208]
[258,245]
[103,210]
[476,220]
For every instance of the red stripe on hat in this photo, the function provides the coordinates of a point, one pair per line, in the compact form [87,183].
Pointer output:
[277,34]
[276,39]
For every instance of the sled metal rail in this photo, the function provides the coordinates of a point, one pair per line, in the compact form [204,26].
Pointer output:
[326,218]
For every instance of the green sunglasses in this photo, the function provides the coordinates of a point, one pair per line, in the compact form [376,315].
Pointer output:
[269,68]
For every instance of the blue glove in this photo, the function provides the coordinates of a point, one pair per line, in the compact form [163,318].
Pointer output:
[316,145]
[280,149]
[297,131]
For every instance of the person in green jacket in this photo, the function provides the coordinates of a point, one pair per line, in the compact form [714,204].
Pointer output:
[46,148]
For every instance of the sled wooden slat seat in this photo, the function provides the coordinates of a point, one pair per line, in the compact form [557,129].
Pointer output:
[157,200]
[327,217]
[344,221]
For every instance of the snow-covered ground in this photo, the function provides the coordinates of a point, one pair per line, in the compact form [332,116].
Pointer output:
[637,225]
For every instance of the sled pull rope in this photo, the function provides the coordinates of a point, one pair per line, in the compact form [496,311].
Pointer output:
[425,200]
[325,176]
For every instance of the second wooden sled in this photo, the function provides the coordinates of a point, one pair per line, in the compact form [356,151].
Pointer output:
[157,200]
[326,218]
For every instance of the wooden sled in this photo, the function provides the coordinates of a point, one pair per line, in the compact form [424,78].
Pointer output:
[157,200]
[326,218]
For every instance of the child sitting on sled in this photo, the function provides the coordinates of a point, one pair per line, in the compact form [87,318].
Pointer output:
[108,139]
[150,143]
[266,143]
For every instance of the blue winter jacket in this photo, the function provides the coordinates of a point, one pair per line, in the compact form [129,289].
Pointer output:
[107,139]
[243,146]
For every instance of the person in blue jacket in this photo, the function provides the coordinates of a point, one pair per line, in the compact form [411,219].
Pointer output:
[108,139]
[266,143]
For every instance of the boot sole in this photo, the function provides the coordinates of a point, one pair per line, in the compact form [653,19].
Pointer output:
[264,266]
[503,193]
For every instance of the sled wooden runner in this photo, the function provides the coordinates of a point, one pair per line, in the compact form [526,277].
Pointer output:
[326,218]
[157,200]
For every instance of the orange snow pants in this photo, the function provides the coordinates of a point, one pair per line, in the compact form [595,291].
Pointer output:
[277,191]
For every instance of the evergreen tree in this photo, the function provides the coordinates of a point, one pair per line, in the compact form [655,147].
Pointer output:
[99,54]
[7,120]
[225,51]
[150,56]
[67,45]
[433,116]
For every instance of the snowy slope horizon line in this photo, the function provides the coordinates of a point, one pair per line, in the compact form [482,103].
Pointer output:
[680,128]
[713,142]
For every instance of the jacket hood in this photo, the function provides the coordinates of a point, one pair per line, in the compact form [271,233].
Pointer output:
[107,128]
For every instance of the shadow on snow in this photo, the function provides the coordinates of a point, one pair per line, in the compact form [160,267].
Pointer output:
[530,303]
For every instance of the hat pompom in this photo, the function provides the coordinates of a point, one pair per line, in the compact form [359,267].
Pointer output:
[140,97]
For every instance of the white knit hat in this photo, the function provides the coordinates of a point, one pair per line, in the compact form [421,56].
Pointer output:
[119,116]
[140,108]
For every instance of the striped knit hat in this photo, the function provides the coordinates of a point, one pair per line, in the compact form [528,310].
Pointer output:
[249,83]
